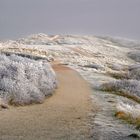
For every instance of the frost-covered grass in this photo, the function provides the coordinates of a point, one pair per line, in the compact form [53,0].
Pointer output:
[25,81]
[24,50]
[126,88]
[118,75]
[133,72]
[130,113]
[127,84]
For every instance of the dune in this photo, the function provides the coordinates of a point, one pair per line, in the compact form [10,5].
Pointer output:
[98,60]
[63,116]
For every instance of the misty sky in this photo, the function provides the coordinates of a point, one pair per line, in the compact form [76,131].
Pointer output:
[19,18]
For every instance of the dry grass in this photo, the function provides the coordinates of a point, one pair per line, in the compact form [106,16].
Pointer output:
[126,85]
[129,113]
[127,88]
[25,51]
[118,75]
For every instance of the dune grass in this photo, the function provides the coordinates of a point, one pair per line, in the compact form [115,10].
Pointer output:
[129,113]
[118,75]
[127,88]
[127,84]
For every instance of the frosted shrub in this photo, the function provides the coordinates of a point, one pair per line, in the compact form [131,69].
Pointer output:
[128,85]
[25,81]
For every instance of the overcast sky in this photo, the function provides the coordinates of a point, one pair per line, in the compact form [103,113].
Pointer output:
[19,18]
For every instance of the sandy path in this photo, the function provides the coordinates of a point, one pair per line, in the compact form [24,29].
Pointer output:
[64,116]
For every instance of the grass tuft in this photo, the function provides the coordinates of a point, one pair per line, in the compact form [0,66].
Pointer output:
[129,113]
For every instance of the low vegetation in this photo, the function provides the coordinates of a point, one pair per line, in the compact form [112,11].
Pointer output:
[129,80]
[127,84]
[129,113]
[25,81]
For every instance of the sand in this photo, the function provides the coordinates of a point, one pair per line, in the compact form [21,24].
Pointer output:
[63,116]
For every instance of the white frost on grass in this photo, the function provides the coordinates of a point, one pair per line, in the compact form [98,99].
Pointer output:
[25,81]
[129,112]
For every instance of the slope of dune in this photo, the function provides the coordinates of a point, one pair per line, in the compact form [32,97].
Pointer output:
[99,60]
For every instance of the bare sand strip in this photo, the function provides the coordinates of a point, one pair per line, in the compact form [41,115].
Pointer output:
[64,116]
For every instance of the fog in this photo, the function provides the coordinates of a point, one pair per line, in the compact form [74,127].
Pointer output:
[19,18]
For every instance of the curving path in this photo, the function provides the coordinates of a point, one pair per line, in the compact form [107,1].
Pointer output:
[64,116]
